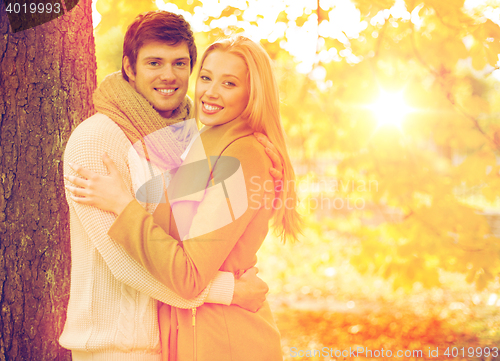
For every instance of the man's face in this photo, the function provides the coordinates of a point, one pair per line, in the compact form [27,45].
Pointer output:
[162,75]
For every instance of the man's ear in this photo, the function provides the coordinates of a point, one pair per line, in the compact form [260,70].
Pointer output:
[128,68]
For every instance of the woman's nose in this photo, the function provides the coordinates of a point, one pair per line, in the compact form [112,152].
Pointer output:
[212,91]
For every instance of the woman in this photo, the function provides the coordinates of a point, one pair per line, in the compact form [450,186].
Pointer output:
[224,225]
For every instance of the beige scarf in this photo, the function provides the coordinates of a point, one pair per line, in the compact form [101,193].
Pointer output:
[160,140]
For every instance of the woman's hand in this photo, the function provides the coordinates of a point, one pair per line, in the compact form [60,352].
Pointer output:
[108,193]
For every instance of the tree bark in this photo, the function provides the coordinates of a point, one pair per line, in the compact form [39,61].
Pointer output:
[47,77]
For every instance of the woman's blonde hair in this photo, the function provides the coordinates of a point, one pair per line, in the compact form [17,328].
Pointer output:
[263,115]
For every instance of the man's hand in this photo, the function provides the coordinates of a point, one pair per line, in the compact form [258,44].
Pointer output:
[249,290]
[277,169]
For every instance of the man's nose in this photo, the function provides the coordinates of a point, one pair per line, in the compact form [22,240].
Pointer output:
[167,73]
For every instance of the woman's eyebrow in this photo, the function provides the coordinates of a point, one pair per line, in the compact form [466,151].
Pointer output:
[227,75]
[230,75]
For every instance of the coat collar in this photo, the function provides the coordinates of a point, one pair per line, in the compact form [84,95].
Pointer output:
[217,138]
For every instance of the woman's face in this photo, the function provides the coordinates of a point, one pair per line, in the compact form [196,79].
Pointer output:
[221,89]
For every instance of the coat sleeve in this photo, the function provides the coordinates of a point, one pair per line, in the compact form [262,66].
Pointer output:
[85,147]
[223,215]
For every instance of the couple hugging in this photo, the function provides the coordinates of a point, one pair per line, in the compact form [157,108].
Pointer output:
[164,223]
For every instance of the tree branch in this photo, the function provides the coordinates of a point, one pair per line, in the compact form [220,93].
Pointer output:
[440,76]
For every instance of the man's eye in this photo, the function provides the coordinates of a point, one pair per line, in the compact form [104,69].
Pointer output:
[153,63]
[181,64]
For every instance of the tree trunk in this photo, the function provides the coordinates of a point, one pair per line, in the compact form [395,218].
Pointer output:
[47,77]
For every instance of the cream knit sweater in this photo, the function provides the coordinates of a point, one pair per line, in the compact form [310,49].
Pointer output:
[112,310]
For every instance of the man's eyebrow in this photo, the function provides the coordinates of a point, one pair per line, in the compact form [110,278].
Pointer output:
[160,58]
[186,59]
[152,58]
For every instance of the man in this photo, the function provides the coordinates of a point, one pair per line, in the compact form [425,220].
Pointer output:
[112,312]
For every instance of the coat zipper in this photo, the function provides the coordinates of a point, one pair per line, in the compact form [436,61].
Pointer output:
[193,311]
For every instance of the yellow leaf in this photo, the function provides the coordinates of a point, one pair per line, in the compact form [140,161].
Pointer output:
[476,105]
[478,55]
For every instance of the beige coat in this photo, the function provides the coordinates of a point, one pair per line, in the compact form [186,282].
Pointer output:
[220,332]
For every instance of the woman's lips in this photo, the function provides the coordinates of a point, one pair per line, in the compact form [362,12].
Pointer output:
[211,108]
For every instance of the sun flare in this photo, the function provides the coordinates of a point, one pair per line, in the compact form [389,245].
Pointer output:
[390,109]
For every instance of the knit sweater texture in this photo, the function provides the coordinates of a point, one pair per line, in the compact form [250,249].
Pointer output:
[112,310]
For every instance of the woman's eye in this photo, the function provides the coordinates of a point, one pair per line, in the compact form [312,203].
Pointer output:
[205,78]
[228,83]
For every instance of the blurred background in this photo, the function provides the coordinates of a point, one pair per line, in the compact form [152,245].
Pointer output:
[392,115]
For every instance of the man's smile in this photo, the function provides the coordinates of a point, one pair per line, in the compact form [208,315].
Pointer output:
[166,91]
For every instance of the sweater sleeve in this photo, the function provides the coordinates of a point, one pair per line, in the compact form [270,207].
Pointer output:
[85,147]
[222,217]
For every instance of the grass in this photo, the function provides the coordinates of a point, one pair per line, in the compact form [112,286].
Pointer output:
[389,328]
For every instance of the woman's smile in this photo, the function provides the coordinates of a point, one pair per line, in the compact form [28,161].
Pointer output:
[211,108]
